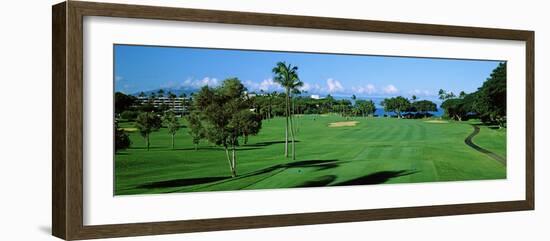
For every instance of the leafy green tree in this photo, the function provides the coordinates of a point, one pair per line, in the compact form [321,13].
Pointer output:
[160,93]
[148,122]
[172,124]
[148,107]
[489,101]
[384,103]
[123,102]
[365,107]
[172,98]
[455,108]
[491,97]
[224,116]
[401,105]
[129,115]
[397,104]
[287,76]
[171,95]
[344,107]
[444,95]
[370,108]
[423,106]
[246,123]
[122,140]
[196,130]
[163,108]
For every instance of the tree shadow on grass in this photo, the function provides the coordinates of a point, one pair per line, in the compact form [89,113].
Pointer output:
[375,178]
[321,181]
[371,179]
[182,182]
[198,148]
[493,126]
[268,143]
[317,164]
[152,148]
[216,148]
[245,147]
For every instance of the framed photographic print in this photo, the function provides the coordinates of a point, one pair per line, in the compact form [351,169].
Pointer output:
[171,120]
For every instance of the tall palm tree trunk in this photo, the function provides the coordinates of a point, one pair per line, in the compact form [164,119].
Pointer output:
[286,125]
[292,134]
[293,121]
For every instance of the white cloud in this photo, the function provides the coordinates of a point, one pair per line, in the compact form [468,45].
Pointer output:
[118,78]
[367,89]
[199,83]
[266,85]
[269,85]
[420,92]
[390,89]
[313,88]
[334,85]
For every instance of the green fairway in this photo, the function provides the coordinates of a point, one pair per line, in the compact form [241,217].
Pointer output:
[368,151]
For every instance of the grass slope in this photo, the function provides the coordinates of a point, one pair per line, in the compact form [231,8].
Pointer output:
[374,151]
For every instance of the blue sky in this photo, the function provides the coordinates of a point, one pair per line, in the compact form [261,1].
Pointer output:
[143,68]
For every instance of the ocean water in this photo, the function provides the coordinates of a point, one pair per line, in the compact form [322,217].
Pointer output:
[380,112]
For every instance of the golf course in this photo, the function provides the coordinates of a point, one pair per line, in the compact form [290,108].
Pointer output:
[331,150]
[272,120]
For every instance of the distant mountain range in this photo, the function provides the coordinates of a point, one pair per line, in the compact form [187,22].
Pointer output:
[188,91]
[176,91]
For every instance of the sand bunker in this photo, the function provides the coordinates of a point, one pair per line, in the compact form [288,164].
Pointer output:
[437,121]
[129,129]
[343,123]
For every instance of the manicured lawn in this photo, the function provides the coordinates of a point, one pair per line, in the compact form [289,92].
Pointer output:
[492,139]
[374,151]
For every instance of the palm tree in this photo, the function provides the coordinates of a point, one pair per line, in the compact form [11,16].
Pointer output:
[160,93]
[353,97]
[287,76]
[172,98]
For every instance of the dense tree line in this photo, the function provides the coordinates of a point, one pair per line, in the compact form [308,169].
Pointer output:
[400,105]
[128,107]
[147,117]
[122,140]
[488,103]
[273,104]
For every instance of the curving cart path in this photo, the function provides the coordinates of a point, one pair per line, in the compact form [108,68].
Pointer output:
[491,154]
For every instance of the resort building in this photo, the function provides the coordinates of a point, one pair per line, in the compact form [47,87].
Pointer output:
[175,104]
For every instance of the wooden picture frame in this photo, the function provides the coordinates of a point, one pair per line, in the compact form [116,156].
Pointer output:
[67,124]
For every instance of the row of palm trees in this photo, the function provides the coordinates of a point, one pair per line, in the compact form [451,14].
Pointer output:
[287,76]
